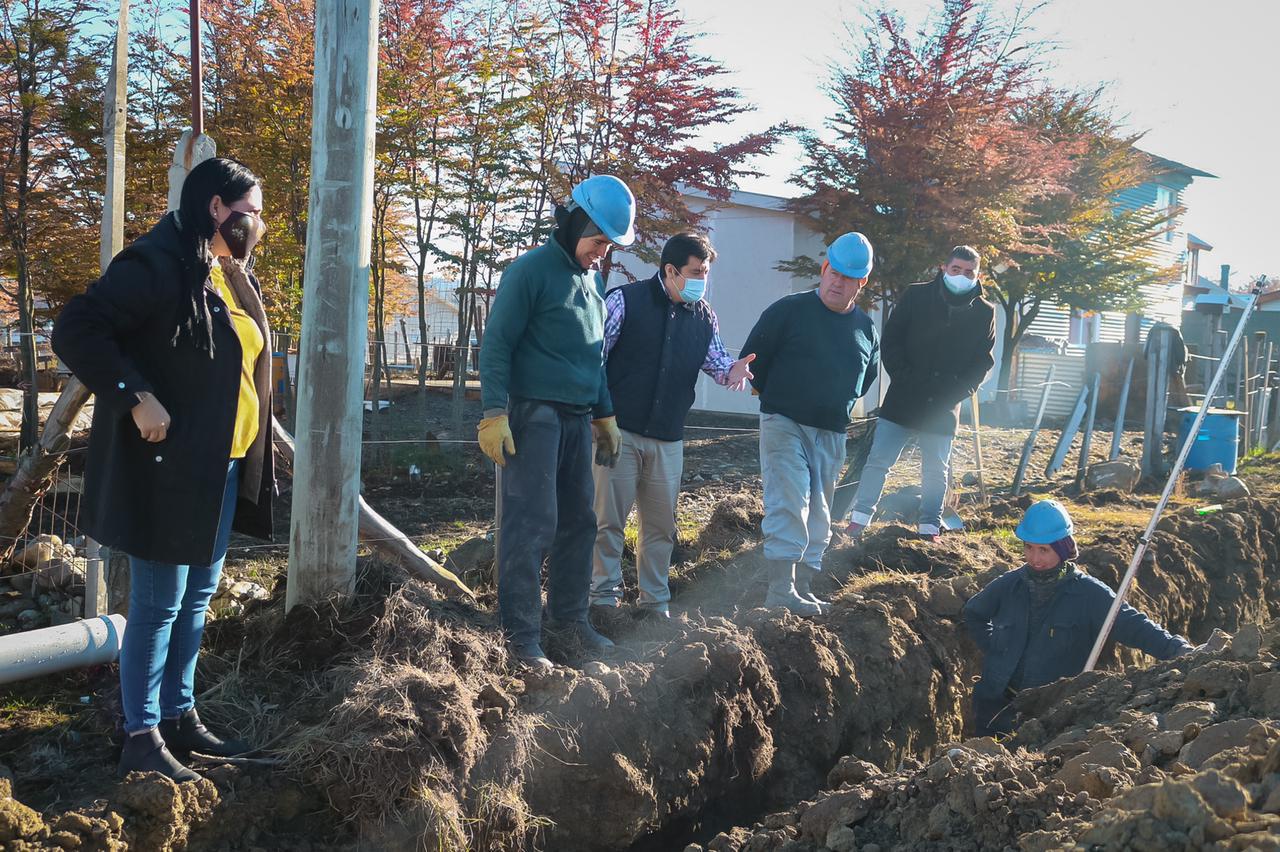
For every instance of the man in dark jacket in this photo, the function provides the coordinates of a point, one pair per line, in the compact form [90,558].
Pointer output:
[1039,622]
[544,392]
[659,333]
[817,353]
[937,350]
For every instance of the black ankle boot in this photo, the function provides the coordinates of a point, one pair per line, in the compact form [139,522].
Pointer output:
[146,752]
[186,734]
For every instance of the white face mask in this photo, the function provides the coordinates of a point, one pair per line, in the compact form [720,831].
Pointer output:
[958,284]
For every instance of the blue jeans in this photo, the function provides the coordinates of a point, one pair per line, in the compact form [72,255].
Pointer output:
[935,462]
[547,495]
[167,605]
[798,467]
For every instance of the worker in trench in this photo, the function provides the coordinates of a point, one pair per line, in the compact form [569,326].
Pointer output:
[1039,622]
[816,354]
[171,340]
[659,333]
[544,392]
[937,350]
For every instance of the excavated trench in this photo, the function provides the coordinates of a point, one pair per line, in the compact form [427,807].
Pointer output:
[427,737]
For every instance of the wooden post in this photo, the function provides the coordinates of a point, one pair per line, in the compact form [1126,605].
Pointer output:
[1157,407]
[95,582]
[1086,442]
[1245,360]
[335,311]
[1118,435]
[977,447]
[1264,400]
[1068,434]
[114,118]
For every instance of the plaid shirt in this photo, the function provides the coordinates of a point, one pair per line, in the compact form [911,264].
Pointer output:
[718,361]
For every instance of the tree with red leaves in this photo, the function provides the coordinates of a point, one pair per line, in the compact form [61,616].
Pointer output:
[926,149]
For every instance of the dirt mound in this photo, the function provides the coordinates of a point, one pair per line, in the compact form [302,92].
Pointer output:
[1182,756]
[735,521]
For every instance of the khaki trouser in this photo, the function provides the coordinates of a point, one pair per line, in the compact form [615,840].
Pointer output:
[647,476]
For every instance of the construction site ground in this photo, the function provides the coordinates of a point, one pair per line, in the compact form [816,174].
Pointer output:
[394,719]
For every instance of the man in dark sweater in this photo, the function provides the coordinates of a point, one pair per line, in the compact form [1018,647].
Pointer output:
[816,354]
[937,350]
[659,333]
[544,392]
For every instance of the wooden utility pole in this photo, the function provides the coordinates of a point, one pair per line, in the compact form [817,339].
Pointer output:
[335,311]
[114,118]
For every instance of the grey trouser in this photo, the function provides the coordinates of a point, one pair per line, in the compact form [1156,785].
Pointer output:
[799,465]
[647,476]
[935,462]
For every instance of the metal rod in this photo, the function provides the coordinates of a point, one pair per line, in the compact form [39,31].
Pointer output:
[1068,434]
[1145,541]
[1087,441]
[1035,430]
[1118,435]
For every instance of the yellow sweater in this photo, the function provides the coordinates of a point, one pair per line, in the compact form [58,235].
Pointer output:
[251,343]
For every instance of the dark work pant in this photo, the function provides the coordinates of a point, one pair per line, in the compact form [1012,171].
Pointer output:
[992,717]
[547,496]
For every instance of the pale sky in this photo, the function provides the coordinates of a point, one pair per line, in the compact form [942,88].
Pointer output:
[1200,78]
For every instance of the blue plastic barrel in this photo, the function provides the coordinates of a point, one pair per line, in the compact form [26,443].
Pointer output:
[1217,441]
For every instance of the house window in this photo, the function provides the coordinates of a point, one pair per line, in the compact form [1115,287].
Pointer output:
[1165,201]
[1084,328]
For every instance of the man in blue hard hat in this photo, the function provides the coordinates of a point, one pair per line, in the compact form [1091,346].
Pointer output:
[544,392]
[937,349]
[659,334]
[816,354]
[1039,622]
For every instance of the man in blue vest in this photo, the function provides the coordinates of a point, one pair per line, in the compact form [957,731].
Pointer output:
[659,333]
[544,392]
[817,354]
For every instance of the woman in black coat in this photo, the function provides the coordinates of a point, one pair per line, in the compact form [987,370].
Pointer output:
[172,340]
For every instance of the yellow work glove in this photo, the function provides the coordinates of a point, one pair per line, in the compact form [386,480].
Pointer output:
[608,441]
[496,438]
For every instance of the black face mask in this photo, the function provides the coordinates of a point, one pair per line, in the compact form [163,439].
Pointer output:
[240,232]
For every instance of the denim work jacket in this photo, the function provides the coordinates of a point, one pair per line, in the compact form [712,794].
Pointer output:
[998,619]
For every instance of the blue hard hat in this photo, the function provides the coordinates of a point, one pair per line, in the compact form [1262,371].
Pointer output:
[610,205]
[851,255]
[1044,523]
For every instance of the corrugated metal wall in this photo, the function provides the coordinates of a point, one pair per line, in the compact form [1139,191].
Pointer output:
[1068,377]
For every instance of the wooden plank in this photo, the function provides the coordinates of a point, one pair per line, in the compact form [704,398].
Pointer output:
[977,447]
[1121,407]
[335,312]
[114,120]
[1068,434]
[1086,442]
[1030,444]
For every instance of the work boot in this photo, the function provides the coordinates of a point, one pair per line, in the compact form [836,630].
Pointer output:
[187,733]
[583,632]
[854,531]
[532,656]
[805,575]
[146,752]
[782,590]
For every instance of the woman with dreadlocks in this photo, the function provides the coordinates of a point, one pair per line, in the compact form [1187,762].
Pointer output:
[172,342]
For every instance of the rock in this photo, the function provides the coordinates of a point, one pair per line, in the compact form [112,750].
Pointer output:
[492,696]
[842,839]
[592,669]
[851,770]
[11,607]
[1232,488]
[969,479]
[1225,795]
[1216,738]
[1188,713]
[1121,475]
[245,590]
[60,573]
[17,821]
[23,583]
[944,600]
[1264,694]
[1247,642]
[847,808]
[28,618]
[1100,770]
[474,556]
[37,552]
[1215,679]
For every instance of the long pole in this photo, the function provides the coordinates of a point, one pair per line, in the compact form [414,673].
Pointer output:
[977,447]
[1086,442]
[1030,445]
[1145,541]
[197,73]
[335,312]
[114,117]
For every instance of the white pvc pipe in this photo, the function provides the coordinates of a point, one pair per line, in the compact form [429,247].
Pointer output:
[54,649]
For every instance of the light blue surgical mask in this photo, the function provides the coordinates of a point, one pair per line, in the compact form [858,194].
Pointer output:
[958,284]
[693,289]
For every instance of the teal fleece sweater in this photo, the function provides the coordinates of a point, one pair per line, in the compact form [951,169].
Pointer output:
[545,335]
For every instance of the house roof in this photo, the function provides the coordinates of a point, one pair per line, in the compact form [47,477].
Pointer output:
[1208,292]
[1167,165]
[741,198]
[1194,242]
